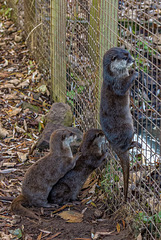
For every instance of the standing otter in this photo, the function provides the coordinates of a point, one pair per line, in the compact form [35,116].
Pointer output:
[44,173]
[115,115]
[91,156]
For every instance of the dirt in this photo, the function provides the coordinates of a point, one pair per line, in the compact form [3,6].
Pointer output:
[53,226]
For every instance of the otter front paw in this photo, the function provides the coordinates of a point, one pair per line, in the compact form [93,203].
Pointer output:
[133,74]
[136,144]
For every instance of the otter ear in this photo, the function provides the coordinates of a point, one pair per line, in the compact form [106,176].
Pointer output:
[63,136]
[96,135]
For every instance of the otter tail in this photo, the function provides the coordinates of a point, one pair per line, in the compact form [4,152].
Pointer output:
[16,207]
[124,160]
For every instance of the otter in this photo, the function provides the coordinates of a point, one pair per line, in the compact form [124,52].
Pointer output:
[44,173]
[115,116]
[92,153]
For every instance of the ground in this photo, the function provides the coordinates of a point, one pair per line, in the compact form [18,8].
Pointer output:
[85,225]
[22,106]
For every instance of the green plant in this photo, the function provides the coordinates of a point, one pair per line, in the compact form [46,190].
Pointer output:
[71,95]
[156,218]
[109,176]
[5,11]
[151,222]
[143,46]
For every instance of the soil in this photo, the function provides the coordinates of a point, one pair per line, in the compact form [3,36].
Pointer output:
[53,226]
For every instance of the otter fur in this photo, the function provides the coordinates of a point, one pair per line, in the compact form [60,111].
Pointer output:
[115,116]
[91,155]
[45,173]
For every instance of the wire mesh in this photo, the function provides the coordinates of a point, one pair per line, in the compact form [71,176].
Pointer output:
[34,17]
[68,39]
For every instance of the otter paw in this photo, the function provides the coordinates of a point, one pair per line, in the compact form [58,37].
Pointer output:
[135,75]
[136,144]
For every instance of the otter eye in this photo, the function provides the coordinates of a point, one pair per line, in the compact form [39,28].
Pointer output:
[113,58]
[126,56]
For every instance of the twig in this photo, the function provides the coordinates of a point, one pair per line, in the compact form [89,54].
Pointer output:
[32,31]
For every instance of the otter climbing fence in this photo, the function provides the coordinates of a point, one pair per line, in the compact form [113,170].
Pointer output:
[68,40]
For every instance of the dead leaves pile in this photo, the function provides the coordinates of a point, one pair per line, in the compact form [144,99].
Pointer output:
[21,107]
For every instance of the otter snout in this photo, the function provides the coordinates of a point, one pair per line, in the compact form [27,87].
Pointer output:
[130,62]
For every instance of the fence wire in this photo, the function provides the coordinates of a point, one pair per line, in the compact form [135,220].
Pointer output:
[68,40]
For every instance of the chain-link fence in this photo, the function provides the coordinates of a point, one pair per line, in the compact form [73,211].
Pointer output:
[68,40]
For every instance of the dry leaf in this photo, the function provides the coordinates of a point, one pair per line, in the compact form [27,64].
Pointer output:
[22,156]
[93,204]
[6,236]
[4,74]
[24,84]
[14,111]
[18,74]
[62,208]
[5,171]
[87,182]
[118,227]
[7,85]
[92,190]
[25,125]
[102,233]
[39,237]
[15,81]
[53,236]
[123,222]
[19,130]
[3,132]
[44,231]
[139,237]
[9,164]
[6,63]
[71,216]
[11,96]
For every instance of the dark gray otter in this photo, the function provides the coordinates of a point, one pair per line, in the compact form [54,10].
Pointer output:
[91,155]
[115,116]
[43,174]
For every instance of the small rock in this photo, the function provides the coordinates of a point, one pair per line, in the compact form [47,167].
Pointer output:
[98,213]
[18,38]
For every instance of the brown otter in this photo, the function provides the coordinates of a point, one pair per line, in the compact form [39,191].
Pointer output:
[43,174]
[115,116]
[91,156]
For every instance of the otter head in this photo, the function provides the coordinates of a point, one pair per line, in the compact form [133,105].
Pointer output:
[92,142]
[68,137]
[61,138]
[117,60]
